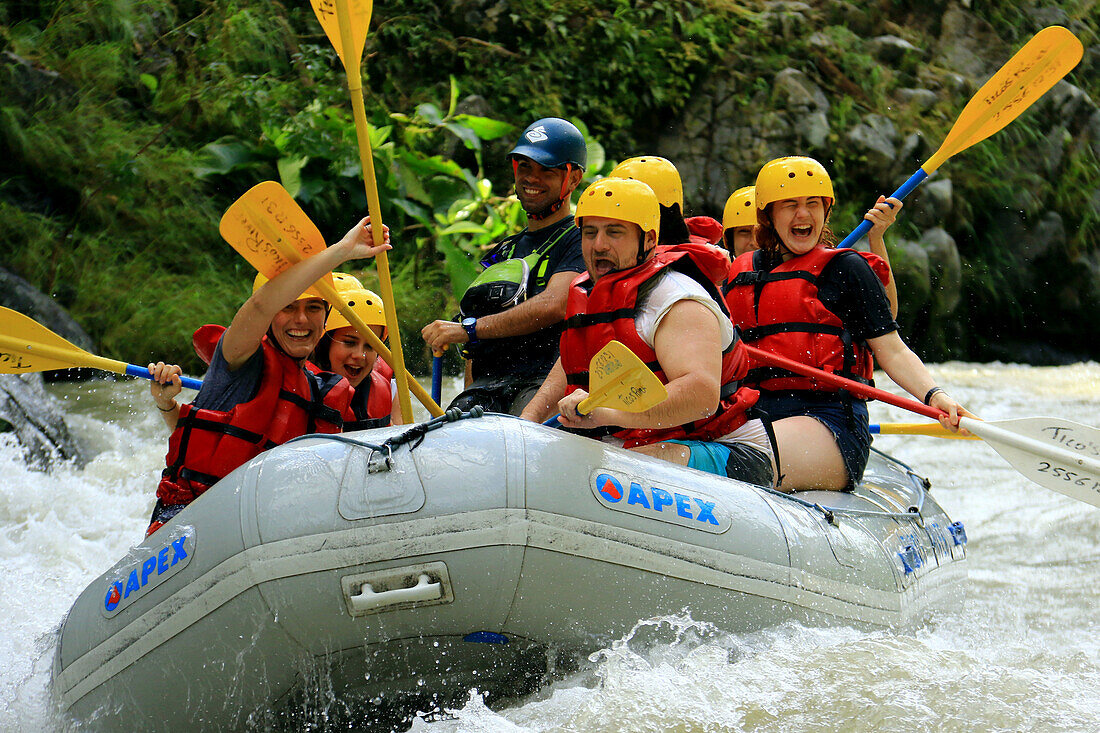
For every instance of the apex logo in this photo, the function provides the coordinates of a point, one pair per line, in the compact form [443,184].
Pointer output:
[147,567]
[686,507]
[537,134]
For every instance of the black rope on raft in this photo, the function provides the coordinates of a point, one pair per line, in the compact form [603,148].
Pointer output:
[415,436]
[381,458]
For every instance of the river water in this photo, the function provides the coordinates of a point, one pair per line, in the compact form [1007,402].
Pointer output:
[1022,654]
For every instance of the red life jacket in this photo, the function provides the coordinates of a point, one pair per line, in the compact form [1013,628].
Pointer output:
[373,401]
[598,312]
[704,229]
[779,311]
[208,444]
[374,413]
[382,367]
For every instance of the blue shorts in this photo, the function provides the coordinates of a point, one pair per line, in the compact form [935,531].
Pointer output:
[733,460]
[850,429]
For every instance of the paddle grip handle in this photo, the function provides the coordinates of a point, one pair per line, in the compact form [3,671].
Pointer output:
[437,377]
[134,370]
[865,226]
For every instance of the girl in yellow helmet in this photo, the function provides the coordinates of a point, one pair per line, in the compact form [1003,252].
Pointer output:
[344,351]
[801,298]
[739,221]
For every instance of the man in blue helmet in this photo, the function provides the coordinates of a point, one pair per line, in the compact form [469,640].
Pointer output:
[511,319]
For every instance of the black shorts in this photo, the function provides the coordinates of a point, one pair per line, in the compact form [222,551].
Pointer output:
[849,425]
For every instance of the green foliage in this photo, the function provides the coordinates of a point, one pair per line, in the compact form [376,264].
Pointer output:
[133,124]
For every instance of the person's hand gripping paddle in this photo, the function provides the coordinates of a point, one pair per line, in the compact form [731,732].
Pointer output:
[618,378]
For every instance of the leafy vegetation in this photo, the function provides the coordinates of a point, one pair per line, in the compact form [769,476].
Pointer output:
[128,126]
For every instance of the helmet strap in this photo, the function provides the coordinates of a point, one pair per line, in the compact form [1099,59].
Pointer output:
[643,253]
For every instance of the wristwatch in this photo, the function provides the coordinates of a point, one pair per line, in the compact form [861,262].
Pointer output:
[470,324]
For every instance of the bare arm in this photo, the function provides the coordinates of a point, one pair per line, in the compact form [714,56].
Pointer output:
[910,373]
[689,349]
[538,312]
[882,216]
[545,402]
[251,322]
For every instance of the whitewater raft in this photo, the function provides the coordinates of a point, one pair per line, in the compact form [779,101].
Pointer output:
[346,571]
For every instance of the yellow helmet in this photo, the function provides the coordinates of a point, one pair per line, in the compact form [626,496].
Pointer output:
[312,292]
[788,178]
[364,303]
[657,173]
[740,208]
[344,281]
[621,198]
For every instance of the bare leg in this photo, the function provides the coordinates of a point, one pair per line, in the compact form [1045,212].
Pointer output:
[671,452]
[808,455]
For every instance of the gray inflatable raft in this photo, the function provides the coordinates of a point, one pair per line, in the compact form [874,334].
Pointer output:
[329,575]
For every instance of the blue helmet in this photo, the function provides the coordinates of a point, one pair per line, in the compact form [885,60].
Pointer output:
[552,143]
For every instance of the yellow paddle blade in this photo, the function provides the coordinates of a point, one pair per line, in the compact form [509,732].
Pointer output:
[27,346]
[358,12]
[1035,68]
[264,215]
[618,378]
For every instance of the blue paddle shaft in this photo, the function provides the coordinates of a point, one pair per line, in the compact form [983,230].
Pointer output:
[552,421]
[136,371]
[865,226]
[437,378]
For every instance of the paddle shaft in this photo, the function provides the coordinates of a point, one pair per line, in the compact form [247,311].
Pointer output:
[858,388]
[293,256]
[366,160]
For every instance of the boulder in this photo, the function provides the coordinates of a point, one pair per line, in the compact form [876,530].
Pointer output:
[794,91]
[944,269]
[37,421]
[876,139]
[931,203]
[967,44]
[27,84]
[1048,235]
[719,144]
[920,100]
[785,18]
[1065,102]
[894,51]
[1094,133]
[19,295]
[910,266]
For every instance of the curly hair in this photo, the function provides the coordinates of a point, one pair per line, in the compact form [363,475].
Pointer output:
[768,239]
